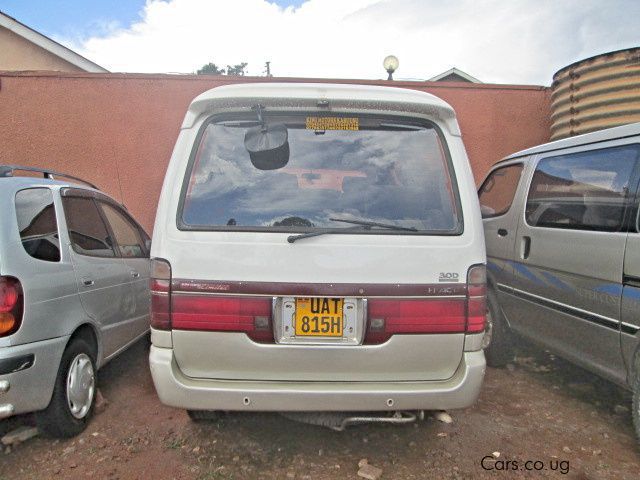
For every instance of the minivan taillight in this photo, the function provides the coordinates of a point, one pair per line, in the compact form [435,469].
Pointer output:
[427,316]
[411,316]
[476,298]
[11,305]
[199,309]
[160,283]
[251,315]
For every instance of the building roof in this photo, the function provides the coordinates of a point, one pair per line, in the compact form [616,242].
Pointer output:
[49,45]
[454,72]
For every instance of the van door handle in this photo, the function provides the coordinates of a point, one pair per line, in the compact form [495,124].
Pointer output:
[87,282]
[503,232]
[525,247]
[134,274]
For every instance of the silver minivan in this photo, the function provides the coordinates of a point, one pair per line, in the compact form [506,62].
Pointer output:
[74,273]
[318,247]
[563,246]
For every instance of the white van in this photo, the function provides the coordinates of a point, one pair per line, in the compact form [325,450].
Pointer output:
[318,247]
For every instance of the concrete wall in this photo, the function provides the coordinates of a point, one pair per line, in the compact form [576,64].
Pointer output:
[17,53]
[118,130]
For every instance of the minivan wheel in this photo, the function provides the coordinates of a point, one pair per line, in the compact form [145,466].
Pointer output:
[498,349]
[200,416]
[636,396]
[74,393]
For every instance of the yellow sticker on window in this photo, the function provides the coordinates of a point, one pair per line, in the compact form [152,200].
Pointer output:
[332,123]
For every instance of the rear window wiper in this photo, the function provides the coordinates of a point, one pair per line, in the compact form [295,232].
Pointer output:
[357,225]
[366,223]
[324,231]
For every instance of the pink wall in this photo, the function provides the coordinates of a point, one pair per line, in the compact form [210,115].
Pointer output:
[118,130]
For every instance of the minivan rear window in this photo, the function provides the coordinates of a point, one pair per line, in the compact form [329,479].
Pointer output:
[381,169]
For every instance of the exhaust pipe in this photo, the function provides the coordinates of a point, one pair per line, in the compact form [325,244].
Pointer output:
[397,417]
[339,421]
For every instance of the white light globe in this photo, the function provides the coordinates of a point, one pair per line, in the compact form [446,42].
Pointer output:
[391,63]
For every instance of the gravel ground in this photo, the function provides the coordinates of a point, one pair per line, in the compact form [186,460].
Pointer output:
[540,409]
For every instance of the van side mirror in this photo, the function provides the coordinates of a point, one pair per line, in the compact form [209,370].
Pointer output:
[486,211]
[268,146]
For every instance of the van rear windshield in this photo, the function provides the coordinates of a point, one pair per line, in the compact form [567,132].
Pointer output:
[379,169]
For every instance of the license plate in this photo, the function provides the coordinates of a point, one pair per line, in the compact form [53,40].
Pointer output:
[319,317]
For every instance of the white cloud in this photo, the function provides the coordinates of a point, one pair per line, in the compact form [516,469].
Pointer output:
[518,41]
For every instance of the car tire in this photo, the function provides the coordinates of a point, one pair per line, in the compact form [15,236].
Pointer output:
[202,416]
[74,393]
[636,396]
[498,347]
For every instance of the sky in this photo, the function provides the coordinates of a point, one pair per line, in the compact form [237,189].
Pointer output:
[496,41]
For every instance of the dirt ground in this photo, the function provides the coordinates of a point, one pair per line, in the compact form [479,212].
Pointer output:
[565,422]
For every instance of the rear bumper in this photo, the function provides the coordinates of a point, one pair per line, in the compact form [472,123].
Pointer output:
[27,386]
[177,390]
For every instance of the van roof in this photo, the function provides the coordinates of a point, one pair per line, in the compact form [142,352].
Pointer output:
[307,95]
[20,182]
[630,130]
[10,184]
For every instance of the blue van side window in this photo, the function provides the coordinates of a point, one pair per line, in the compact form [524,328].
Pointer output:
[583,191]
[497,192]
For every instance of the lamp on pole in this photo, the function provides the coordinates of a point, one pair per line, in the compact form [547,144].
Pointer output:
[390,64]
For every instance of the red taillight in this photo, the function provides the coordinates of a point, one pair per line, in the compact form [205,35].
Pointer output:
[387,317]
[476,298]
[11,305]
[251,315]
[423,316]
[160,284]
[199,309]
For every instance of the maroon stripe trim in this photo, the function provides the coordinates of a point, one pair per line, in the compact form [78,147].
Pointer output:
[319,289]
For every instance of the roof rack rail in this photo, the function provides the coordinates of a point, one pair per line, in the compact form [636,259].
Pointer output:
[7,171]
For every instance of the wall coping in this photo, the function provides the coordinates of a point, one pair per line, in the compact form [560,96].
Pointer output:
[247,79]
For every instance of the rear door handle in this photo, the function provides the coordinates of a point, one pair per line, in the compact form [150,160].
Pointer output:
[134,274]
[87,282]
[503,232]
